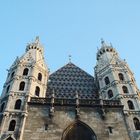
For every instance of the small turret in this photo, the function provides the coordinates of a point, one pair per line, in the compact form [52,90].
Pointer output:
[106,49]
[35,45]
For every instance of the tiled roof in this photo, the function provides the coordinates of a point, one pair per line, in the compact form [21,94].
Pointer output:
[69,80]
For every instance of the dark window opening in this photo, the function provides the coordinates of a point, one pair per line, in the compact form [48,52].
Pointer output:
[12,125]
[12,75]
[136,123]
[7,90]
[78,131]
[46,126]
[132,79]
[107,80]
[25,72]
[110,94]
[2,107]
[39,76]
[37,91]
[130,104]
[18,104]
[121,77]
[22,86]
[125,89]
[9,138]
[110,129]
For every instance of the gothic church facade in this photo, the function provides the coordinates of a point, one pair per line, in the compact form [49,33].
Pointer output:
[69,104]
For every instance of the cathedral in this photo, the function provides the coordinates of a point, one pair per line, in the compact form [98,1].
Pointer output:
[69,104]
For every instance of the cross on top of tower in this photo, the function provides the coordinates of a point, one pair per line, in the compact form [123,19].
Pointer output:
[70,58]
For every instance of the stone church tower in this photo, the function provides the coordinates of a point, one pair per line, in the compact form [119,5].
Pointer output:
[116,81]
[27,77]
[69,104]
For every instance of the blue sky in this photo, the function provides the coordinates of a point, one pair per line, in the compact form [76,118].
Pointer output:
[70,27]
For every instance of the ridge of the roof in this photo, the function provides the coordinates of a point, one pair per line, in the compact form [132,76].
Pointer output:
[70,64]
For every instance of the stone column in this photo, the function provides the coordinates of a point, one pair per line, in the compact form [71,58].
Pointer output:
[23,120]
[3,123]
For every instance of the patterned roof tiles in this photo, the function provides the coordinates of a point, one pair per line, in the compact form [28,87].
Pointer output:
[69,80]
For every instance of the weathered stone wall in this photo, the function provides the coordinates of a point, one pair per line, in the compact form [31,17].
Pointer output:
[135,134]
[38,116]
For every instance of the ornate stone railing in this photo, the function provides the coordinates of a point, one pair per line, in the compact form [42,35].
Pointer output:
[111,102]
[72,102]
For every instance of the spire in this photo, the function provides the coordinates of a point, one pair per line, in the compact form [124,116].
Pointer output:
[105,47]
[103,44]
[35,45]
[37,41]
[70,58]
[102,41]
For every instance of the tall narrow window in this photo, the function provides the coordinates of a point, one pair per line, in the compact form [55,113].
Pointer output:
[110,94]
[18,104]
[46,126]
[7,89]
[22,86]
[130,104]
[125,89]
[25,71]
[107,80]
[2,107]
[37,91]
[121,77]
[12,75]
[12,125]
[136,123]
[39,76]
[110,129]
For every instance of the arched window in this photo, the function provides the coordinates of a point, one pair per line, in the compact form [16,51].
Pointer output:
[110,129]
[9,138]
[2,107]
[37,91]
[39,76]
[78,131]
[7,89]
[18,104]
[110,94]
[22,86]
[125,90]
[130,104]
[25,71]
[121,77]
[107,80]
[136,123]
[12,125]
